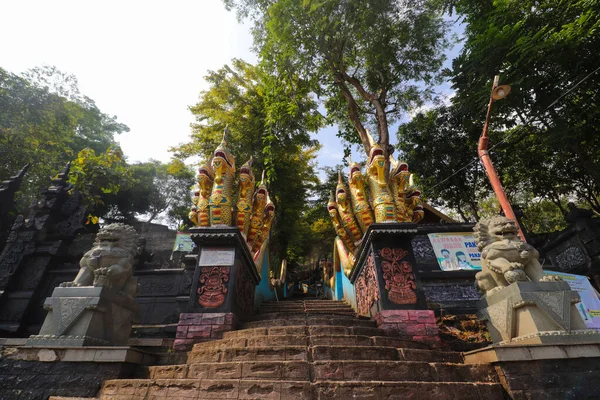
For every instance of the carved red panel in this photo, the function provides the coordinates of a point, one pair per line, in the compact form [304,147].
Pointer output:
[213,286]
[398,276]
[367,288]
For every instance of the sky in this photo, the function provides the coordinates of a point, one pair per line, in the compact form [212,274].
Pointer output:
[141,61]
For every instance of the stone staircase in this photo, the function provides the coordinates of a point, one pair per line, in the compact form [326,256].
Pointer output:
[315,349]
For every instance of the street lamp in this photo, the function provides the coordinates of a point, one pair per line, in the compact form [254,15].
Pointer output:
[498,92]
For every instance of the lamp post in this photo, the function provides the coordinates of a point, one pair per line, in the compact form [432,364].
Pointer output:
[498,93]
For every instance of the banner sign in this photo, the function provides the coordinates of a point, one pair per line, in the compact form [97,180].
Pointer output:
[183,242]
[589,306]
[455,251]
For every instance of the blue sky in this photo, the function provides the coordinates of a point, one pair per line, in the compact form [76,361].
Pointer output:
[143,62]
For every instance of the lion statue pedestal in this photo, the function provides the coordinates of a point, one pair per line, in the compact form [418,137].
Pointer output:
[520,303]
[99,306]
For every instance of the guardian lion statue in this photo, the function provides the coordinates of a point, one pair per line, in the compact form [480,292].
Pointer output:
[505,257]
[110,262]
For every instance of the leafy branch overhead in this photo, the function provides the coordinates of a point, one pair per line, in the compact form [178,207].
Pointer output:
[368,61]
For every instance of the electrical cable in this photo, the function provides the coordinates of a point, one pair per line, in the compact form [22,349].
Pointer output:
[520,127]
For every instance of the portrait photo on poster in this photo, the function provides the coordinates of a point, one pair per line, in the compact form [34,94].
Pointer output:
[455,251]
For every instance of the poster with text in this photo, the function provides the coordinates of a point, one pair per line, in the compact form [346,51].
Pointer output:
[455,251]
[589,306]
[183,242]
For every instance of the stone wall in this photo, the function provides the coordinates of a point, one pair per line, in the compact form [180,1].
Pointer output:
[29,379]
[575,378]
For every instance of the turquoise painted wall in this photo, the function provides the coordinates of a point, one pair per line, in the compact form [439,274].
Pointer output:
[263,292]
[348,293]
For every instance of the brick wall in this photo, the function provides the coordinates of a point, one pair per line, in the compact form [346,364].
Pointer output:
[201,327]
[417,325]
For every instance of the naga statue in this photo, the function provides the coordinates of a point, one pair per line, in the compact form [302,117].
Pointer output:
[110,262]
[387,200]
[344,236]
[505,257]
[381,196]
[345,210]
[223,164]
[259,202]
[200,214]
[243,208]
[267,220]
[399,177]
[215,203]
[362,209]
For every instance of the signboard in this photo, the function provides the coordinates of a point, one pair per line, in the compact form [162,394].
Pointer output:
[589,306]
[183,242]
[216,256]
[455,251]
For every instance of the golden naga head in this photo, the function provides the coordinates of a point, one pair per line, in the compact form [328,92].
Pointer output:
[223,161]
[246,178]
[418,214]
[355,176]
[206,176]
[341,194]
[259,200]
[399,172]
[376,164]
[332,209]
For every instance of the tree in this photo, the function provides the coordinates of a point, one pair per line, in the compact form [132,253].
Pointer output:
[543,48]
[96,177]
[272,123]
[40,126]
[158,191]
[370,60]
[546,151]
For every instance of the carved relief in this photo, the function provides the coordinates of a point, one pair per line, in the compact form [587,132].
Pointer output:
[159,284]
[367,288]
[213,286]
[398,275]
[422,249]
[570,258]
[244,296]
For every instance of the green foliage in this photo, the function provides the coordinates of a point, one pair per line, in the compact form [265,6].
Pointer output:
[368,60]
[158,191]
[548,148]
[45,122]
[272,123]
[98,177]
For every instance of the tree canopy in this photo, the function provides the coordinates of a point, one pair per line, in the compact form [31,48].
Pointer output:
[272,123]
[368,60]
[45,121]
[41,127]
[546,130]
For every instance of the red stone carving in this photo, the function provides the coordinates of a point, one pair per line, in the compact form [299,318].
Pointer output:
[213,286]
[367,288]
[398,276]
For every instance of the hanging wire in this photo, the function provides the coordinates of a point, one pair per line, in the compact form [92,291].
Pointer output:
[519,128]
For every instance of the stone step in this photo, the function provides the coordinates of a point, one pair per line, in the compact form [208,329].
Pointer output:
[233,354]
[306,307]
[285,370]
[304,339]
[417,371]
[274,314]
[71,398]
[297,353]
[263,321]
[367,370]
[406,390]
[307,330]
[271,389]
[308,302]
